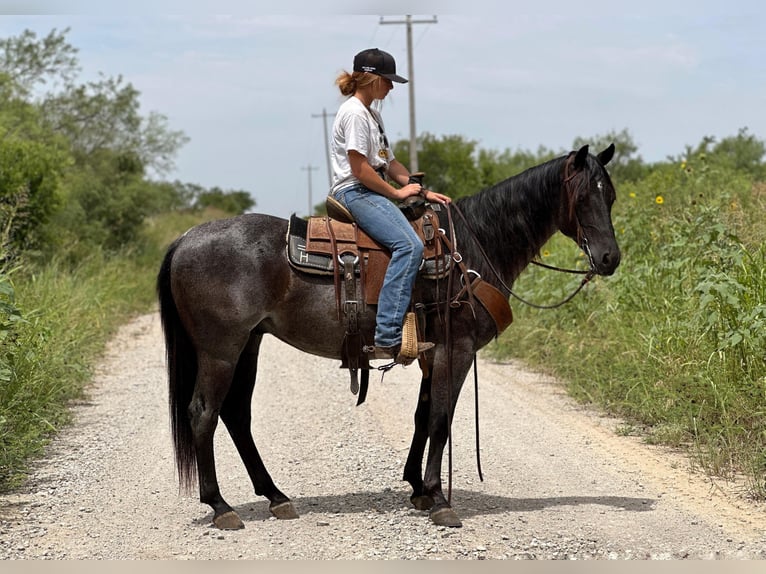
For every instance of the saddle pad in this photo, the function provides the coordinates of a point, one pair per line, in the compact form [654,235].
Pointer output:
[297,255]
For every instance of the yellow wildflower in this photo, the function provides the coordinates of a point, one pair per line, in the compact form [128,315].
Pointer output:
[659,200]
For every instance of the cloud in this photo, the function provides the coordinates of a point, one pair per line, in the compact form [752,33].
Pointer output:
[670,53]
[246,87]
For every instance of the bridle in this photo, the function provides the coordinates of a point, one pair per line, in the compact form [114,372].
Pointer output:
[582,240]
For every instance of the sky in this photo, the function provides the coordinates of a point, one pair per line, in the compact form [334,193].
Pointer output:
[253,92]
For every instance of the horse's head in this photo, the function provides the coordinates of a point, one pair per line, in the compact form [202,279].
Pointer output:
[586,209]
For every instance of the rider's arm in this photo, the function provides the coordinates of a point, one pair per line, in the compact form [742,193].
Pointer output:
[363,171]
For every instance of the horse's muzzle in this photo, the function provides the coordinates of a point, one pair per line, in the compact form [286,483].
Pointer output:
[605,263]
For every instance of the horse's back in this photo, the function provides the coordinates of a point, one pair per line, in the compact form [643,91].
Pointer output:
[223,243]
[232,276]
[220,264]
[239,230]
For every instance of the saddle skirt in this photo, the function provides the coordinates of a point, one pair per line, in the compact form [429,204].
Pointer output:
[317,246]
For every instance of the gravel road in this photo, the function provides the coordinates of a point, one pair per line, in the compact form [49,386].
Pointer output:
[559,483]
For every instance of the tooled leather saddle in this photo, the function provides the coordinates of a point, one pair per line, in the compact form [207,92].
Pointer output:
[319,246]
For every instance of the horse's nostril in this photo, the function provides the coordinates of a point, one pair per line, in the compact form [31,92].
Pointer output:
[610,260]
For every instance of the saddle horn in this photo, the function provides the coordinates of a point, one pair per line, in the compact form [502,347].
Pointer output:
[415,206]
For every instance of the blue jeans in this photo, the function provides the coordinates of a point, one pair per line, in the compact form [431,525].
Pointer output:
[386,224]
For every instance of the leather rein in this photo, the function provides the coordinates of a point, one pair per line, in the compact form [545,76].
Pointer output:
[583,242]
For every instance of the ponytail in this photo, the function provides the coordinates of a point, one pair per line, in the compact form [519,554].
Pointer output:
[350,83]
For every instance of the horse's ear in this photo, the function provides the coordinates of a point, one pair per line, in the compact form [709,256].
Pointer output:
[581,158]
[605,156]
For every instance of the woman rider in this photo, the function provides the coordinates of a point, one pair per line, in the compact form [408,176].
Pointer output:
[361,160]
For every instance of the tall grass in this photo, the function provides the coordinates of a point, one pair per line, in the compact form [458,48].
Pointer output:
[54,323]
[64,317]
[676,340]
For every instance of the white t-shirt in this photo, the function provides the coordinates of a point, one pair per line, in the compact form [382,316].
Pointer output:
[359,129]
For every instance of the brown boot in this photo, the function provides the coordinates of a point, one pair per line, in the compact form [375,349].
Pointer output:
[393,352]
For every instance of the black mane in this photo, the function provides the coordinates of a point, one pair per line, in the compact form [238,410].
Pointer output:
[515,216]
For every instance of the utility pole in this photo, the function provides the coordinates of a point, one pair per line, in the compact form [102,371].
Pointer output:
[324,115]
[310,168]
[411,77]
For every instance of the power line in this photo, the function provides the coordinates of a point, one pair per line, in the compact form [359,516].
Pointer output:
[408,21]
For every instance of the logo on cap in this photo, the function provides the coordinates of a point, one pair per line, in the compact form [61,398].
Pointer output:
[378,62]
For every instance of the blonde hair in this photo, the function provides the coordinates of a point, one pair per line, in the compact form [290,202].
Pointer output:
[350,83]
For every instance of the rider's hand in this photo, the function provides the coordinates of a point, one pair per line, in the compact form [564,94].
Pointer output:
[434,197]
[408,190]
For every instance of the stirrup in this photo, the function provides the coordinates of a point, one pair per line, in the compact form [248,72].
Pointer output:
[394,352]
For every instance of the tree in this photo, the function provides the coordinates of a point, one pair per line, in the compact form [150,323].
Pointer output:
[448,162]
[626,165]
[496,166]
[32,157]
[104,203]
[457,167]
[28,62]
[91,116]
[105,115]
[743,152]
[28,182]
[81,153]
[234,202]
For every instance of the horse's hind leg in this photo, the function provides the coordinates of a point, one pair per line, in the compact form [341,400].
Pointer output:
[236,415]
[213,382]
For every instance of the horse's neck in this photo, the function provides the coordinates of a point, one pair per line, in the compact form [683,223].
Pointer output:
[515,218]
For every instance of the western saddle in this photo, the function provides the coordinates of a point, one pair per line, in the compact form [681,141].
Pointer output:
[335,245]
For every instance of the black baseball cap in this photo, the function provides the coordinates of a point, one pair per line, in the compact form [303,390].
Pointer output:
[377,62]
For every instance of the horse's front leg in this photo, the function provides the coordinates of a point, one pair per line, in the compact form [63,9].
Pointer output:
[413,469]
[441,513]
[444,397]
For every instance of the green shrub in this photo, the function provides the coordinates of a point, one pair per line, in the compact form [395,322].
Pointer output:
[675,341]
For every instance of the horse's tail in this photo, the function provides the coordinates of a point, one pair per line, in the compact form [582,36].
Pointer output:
[182,374]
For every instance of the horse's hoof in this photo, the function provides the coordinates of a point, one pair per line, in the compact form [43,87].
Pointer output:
[422,502]
[284,510]
[445,517]
[228,521]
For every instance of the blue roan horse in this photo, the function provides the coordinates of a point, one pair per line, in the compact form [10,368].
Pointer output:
[224,284]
